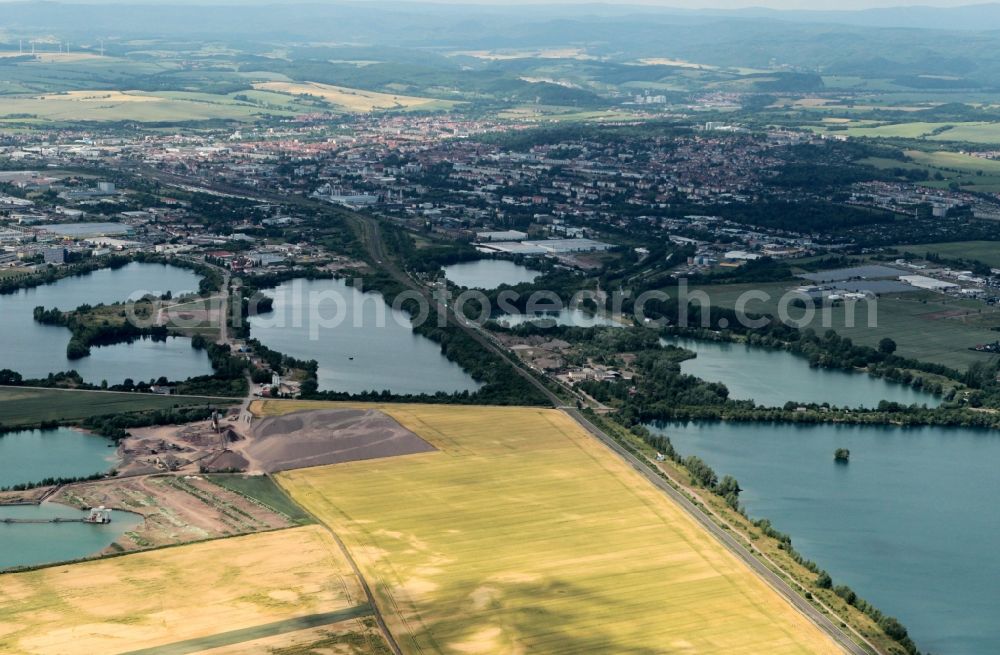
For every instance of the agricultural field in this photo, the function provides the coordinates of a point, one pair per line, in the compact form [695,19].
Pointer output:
[955,161]
[523,534]
[359,636]
[190,598]
[262,489]
[855,83]
[984,133]
[915,130]
[987,252]
[569,115]
[543,53]
[53,57]
[139,106]
[179,509]
[971,173]
[353,100]
[925,325]
[22,406]
[970,132]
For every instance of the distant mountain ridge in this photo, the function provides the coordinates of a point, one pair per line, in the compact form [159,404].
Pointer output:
[977,17]
[961,43]
[972,17]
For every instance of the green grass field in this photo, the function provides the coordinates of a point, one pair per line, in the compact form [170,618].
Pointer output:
[523,534]
[982,133]
[19,406]
[140,106]
[263,489]
[987,252]
[915,130]
[972,173]
[955,161]
[978,133]
[925,325]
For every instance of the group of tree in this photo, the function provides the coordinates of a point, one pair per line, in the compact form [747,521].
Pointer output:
[116,426]
[90,328]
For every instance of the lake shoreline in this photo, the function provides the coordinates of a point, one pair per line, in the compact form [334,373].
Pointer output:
[716,337]
[54,533]
[56,456]
[38,350]
[819,502]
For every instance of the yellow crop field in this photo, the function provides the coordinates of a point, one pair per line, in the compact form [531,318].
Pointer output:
[355,100]
[523,534]
[194,592]
[100,96]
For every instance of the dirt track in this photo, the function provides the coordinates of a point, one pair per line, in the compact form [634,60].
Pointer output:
[317,438]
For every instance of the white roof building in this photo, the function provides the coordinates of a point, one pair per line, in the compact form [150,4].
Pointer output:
[929,283]
[508,235]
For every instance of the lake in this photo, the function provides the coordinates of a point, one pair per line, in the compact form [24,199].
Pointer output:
[144,359]
[771,378]
[45,543]
[32,455]
[911,523]
[35,350]
[565,317]
[361,344]
[489,273]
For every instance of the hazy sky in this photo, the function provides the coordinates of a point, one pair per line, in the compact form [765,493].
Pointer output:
[824,5]
[812,4]
[686,4]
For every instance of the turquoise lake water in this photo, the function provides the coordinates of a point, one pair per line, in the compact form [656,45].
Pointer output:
[911,523]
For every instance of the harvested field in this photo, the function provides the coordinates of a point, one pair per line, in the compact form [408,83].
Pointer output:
[523,534]
[193,592]
[359,636]
[354,100]
[332,436]
[178,509]
[141,106]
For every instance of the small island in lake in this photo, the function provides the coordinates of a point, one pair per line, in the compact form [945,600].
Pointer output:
[842,456]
